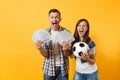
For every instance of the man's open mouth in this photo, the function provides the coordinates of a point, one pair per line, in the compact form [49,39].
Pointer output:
[54,23]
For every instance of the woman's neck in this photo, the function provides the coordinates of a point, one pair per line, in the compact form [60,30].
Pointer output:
[81,39]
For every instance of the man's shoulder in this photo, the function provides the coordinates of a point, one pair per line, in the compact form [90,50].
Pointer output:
[61,29]
[64,29]
[48,29]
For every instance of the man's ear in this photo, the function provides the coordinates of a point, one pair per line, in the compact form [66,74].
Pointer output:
[60,19]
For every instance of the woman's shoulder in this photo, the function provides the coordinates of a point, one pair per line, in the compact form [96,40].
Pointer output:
[91,43]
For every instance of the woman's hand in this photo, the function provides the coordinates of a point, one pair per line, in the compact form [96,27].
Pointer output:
[85,56]
[90,58]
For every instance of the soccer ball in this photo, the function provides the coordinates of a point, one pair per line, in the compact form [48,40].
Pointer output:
[79,48]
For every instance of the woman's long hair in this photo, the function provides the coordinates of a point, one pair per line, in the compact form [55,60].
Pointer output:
[86,37]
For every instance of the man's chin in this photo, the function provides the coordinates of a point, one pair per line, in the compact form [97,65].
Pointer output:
[55,27]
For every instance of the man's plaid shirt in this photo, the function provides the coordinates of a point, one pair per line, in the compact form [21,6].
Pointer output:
[49,63]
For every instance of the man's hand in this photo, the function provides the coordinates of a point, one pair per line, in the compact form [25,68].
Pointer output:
[38,44]
[65,45]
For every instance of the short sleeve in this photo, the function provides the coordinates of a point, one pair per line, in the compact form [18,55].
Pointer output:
[92,47]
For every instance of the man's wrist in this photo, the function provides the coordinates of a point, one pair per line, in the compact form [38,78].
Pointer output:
[65,48]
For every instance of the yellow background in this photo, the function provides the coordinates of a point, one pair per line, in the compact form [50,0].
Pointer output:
[20,60]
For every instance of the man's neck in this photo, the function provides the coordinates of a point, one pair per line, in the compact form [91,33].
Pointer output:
[55,29]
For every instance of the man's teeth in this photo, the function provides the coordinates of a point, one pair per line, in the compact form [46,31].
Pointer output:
[54,23]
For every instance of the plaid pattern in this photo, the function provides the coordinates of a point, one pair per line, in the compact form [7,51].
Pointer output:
[49,63]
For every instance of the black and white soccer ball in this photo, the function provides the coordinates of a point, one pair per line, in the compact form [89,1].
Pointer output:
[79,48]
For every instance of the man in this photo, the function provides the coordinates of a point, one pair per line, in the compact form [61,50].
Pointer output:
[56,62]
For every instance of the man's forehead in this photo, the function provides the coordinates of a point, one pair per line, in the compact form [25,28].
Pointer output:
[54,14]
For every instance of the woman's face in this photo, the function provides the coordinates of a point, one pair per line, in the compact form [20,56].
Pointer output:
[82,28]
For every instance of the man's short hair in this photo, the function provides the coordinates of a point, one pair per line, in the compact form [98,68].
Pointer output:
[55,10]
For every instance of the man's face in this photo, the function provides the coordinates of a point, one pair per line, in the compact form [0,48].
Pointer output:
[54,19]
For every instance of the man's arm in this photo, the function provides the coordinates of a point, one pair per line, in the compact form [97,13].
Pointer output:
[38,45]
[66,50]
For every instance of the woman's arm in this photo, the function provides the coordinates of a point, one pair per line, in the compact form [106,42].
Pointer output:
[90,58]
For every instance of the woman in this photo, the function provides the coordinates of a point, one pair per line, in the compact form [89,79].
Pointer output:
[86,68]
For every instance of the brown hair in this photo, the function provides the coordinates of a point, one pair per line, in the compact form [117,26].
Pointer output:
[86,37]
[55,10]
